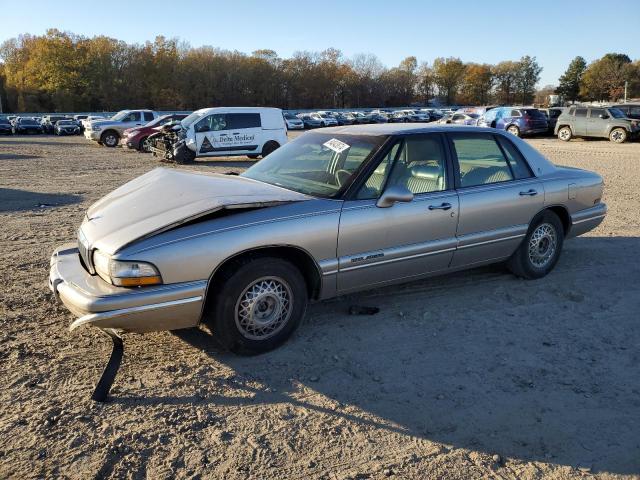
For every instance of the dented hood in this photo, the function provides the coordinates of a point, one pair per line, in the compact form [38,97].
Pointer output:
[165,198]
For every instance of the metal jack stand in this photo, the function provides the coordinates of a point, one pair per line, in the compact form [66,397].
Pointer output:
[101,392]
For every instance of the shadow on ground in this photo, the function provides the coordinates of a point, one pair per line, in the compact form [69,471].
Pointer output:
[546,370]
[13,200]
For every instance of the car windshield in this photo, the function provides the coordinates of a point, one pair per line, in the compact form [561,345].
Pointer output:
[65,122]
[473,115]
[316,164]
[288,116]
[120,115]
[617,113]
[28,121]
[159,121]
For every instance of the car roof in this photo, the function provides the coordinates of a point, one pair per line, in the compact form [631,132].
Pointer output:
[400,129]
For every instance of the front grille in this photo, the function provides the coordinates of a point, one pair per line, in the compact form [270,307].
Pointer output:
[83,248]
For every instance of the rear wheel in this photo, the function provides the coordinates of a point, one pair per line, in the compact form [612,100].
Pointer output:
[540,249]
[269,147]
[257,305]
[514,130]
[565,134]
[618,135]
[109,138]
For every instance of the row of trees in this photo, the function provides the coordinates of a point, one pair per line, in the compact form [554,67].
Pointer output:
[603,79]
[60,71]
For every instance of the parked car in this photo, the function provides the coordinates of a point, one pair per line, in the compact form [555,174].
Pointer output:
[518,121]
[315,120]
[360,118]
[611,123]
[5,126]
[631,110]
[398,117]
[377,118]
[26,125]
[90,118]
[552,115]
[66,127]
[460,118]
[78,119]
[108,132]
[335,211]
[48,122]
[417,116]
[328,119]
[136,138]
[223,131]
[345,118]
[292,122]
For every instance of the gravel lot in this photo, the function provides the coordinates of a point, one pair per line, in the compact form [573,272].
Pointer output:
[472,375]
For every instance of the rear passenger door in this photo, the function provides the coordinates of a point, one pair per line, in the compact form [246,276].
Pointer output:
[498,197]
[580,122]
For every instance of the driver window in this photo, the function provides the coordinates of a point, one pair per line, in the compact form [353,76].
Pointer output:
[420,166]
[372,188]
[212,123]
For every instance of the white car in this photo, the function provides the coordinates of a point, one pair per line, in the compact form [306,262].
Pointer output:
[224,131]
[108,132]
[293,122]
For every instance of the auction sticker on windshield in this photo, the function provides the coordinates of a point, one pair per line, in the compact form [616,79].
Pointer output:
[336,145]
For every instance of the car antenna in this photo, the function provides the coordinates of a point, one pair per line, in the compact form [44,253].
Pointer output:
[101,391]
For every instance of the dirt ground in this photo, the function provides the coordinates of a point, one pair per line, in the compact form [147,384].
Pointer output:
[472,375]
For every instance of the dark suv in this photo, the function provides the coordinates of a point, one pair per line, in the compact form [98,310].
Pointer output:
[631,110]
[604,122]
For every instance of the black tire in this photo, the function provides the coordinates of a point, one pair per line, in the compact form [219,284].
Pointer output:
[565,134]
[223,311]
[514,130]
[521,263]
[269,147]
[142,147]
[618,135]
[109,139]
[184,155]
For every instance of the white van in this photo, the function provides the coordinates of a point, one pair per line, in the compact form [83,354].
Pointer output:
[226,131]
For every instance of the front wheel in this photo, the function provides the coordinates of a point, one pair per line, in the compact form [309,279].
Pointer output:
[618,135]
[109,139]
[144,145]
[514,130]
[540,250]
[257,305]
[565,134]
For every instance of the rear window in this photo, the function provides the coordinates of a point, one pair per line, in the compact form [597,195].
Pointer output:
[243,120]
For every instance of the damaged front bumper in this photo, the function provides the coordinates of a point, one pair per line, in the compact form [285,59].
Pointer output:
[100,304]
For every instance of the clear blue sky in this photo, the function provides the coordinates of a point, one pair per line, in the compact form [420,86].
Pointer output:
[479,31]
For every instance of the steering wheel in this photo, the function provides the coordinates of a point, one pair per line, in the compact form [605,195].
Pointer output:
[342,176]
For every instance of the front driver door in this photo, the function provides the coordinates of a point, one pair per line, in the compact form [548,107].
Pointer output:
[407,240]
[209,131]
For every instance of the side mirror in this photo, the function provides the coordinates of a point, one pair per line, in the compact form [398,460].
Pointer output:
[603,116]
[393,194]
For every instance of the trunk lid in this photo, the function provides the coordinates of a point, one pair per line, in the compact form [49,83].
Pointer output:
[164,198]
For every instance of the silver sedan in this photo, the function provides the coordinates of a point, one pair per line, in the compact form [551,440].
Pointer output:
[335,211]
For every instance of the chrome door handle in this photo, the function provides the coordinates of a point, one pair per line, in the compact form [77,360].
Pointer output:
[530,192]
[444,206]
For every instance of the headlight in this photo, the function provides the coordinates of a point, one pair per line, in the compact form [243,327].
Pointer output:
[96,128]
[125,273]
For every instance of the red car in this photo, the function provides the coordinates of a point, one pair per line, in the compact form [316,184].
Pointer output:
[135,138]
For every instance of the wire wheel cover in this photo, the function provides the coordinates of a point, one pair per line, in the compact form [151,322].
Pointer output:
[263,309]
